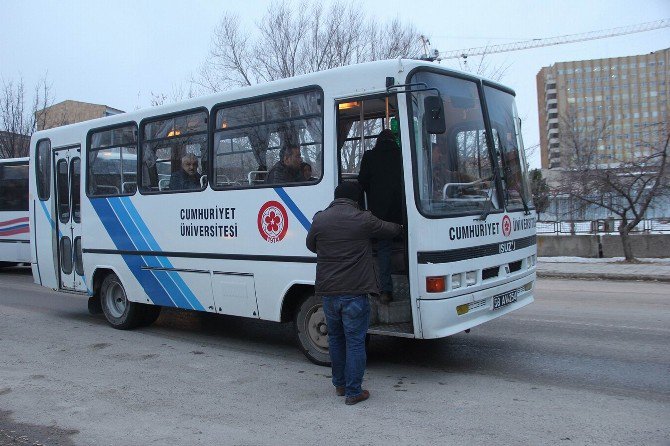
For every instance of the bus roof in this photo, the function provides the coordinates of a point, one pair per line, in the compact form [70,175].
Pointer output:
[340,82]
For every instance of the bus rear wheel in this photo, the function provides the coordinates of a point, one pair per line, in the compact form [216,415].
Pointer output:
[121,313]
[312,331]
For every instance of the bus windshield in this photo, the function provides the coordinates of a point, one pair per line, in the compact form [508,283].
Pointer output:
[454,172]
[508,143]
[454,169]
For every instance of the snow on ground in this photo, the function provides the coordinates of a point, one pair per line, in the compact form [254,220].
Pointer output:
[565,259]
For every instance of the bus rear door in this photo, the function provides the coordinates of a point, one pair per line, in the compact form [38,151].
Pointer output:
[67,163]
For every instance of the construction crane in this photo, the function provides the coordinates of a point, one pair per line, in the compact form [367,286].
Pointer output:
[537,43]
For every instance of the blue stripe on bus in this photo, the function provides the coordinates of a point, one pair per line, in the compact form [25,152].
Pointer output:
[293,207]
[153,244]
[51,221]
[12,228]
[83,278]
[150,244]
[149,260]
[165,278]
[112,224]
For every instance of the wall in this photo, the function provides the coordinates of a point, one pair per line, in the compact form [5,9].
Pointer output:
[644,245]
[567,245]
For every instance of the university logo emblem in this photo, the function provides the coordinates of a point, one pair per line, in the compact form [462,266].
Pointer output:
[272,221]
[506,226]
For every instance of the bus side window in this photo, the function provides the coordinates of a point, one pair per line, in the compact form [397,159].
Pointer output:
[248,140]
[112,161]
[174,153]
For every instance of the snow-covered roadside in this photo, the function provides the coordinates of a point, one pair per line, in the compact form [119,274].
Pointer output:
[565,259]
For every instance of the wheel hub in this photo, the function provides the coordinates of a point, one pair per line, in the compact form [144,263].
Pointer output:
[317,329]
[116,298]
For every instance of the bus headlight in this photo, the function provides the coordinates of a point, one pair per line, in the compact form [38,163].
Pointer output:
[470,278]
[456,281]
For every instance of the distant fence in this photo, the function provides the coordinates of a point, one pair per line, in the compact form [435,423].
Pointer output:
[608,226]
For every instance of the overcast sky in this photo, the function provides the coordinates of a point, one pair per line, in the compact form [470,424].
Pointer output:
[118,52]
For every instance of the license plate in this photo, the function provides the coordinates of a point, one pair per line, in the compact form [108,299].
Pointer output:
[501,300]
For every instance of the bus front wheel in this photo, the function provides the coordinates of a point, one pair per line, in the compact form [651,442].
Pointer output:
[312,331]
[119,311]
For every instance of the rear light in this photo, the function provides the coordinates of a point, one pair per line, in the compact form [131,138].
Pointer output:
[435,284]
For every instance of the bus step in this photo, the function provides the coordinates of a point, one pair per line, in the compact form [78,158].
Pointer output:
[392,313]
[404,329]
[400,288]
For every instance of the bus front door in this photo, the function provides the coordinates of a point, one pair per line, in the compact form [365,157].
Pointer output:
[67,163]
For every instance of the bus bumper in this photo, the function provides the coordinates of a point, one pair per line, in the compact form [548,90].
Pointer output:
[440,318]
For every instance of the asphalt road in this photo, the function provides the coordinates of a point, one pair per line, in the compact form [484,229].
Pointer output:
[587,363]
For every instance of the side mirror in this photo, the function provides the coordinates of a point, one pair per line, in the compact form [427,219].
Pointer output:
[434,115]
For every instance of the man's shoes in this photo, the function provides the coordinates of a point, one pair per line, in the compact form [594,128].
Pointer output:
[351,400]
[385,297]
[339,390]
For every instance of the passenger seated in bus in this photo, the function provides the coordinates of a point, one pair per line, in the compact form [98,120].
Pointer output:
[287,169]
[380,177]
[187,177]
[306,171]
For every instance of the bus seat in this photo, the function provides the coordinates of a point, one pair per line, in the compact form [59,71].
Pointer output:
[164,184]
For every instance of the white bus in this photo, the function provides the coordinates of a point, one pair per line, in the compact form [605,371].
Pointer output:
[14,232]
[111,223]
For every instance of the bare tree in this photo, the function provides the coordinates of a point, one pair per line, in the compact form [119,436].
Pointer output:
[290,41]
[625,185]
[540,190]
[19,120]
[481,66]
[179,92]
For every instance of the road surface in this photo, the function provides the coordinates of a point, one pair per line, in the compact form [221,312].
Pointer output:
[587,363]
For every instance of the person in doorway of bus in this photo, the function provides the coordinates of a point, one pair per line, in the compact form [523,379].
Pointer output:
[187,177]
[287,169]
[340,236]
[380,177]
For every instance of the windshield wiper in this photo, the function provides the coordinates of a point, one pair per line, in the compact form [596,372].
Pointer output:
[489,203]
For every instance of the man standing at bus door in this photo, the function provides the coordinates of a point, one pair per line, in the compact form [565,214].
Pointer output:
[187,177]
[380,177]
[287,169]
[345,274]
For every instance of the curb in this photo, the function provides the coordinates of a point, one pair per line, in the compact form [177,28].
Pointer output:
[596,276]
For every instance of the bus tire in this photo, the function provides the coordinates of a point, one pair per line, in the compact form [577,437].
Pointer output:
[151,313]
[311,330]
[121,313]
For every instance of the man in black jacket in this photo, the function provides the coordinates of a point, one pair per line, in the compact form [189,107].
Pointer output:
[287,169]
[380,177]
[340,236]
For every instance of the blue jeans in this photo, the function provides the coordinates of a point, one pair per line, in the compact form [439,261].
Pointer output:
[384,250]
[348,317]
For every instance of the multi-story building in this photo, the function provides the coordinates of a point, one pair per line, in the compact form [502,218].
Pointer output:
[69,112]
[620,105]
